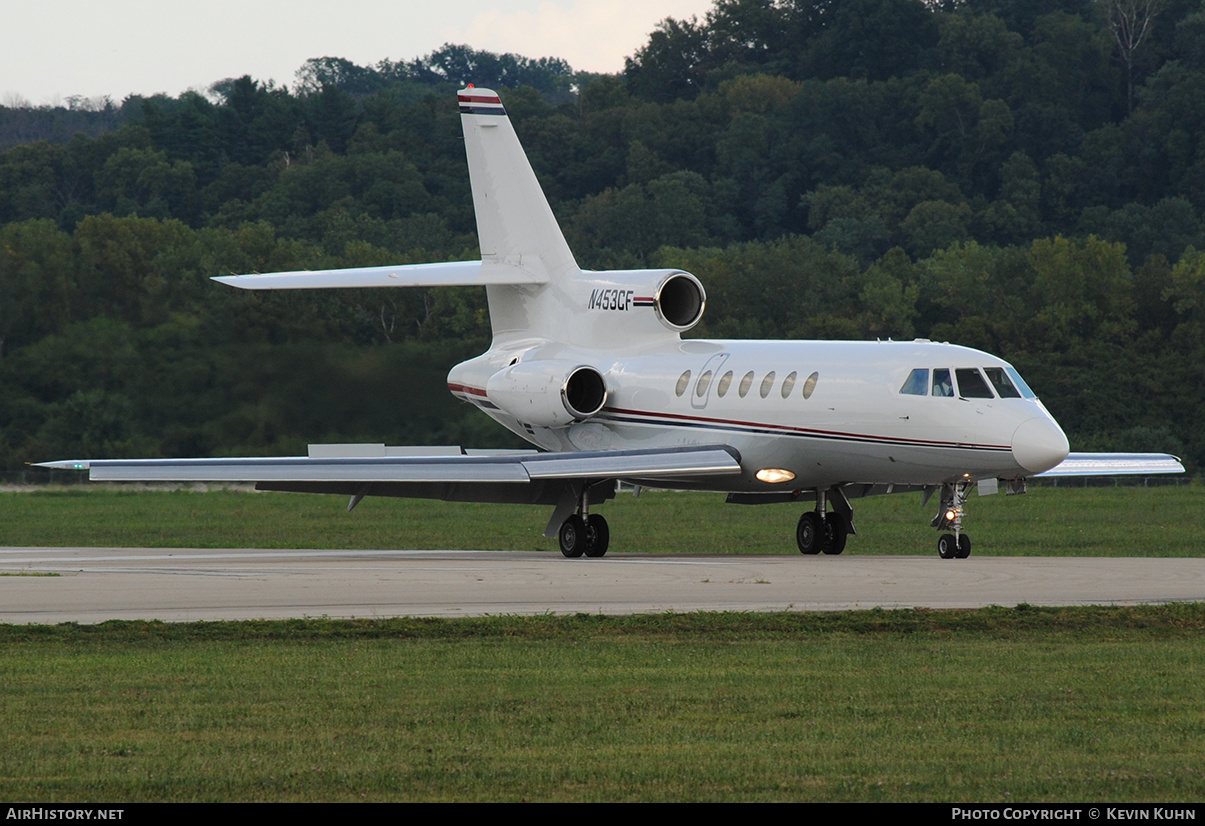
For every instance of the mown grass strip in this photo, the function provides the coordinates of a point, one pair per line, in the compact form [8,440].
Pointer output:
[1127,521]
[1000,705]
[1171,618]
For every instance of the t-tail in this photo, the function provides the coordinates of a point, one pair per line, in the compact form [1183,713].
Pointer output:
[519,236]
[536,290]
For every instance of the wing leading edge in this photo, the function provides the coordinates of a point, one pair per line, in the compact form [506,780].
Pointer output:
[522,468]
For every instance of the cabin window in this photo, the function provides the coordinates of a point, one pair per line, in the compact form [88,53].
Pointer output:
[999,380]
[721,387]
[917,383]
[746,383]
[683,381]
[704,383]
[788,384]
[809,385]
[766,384]
[942,385]
[971,384]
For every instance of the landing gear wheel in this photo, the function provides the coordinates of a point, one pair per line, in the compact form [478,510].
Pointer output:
[810,533]
[835,534]
[947,546]
[598,535]
[964,546]
[572,536]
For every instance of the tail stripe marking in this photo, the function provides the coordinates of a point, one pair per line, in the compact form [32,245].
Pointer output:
[480,105]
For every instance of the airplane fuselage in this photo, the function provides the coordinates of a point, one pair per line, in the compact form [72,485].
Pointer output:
[827,413]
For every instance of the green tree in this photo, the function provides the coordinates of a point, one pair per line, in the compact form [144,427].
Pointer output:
[1082,289]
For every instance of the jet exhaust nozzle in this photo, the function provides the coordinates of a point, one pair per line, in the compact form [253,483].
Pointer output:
[680,301]
[548,393]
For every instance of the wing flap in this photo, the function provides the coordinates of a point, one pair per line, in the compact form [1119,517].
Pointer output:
[1115,464]
[706,461]
[303,469]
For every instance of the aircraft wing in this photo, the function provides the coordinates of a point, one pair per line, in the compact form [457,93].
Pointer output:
[447,274]
[516,468]
[1115,464]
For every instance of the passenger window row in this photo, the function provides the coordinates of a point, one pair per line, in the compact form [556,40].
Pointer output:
[1006,382]
[746,383]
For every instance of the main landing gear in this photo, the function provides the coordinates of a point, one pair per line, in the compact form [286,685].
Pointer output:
[584,532]
[819,531]
[956,545]
[587,535]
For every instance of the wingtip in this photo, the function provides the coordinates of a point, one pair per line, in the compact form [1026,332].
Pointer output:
[65,464]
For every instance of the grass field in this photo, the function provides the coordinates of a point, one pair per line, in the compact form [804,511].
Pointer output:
[1000,705]
[1123,521]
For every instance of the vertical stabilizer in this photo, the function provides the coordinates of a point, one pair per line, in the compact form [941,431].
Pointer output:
[515,225]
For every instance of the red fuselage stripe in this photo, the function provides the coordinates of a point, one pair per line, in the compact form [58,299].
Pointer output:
[670,417]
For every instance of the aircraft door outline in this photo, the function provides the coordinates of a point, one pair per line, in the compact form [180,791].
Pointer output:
[700,391]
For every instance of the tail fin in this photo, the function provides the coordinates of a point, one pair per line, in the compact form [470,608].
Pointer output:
[515,225]
[522,249]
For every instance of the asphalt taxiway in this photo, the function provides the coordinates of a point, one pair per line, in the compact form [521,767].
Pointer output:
[183,584]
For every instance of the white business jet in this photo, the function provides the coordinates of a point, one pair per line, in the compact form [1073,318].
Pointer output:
[591,368]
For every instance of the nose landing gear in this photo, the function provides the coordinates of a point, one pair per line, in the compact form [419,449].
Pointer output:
[956,545]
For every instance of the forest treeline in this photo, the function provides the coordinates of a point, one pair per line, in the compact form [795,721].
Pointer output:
[1023,177]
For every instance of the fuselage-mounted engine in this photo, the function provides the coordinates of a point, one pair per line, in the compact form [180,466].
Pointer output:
[639,303]
[679,301]
[599,317]
[548,393]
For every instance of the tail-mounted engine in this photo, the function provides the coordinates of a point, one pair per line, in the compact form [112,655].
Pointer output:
[679,301]
[674,297]
[548,393]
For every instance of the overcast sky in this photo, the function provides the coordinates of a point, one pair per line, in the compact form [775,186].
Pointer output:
[53,49]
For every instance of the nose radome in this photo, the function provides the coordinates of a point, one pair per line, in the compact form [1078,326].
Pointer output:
[1039,445]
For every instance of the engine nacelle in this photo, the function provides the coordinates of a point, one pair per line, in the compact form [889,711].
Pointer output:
[680,301]
[548,393]
[676,297]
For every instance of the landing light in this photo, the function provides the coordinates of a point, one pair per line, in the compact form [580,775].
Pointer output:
[774,475]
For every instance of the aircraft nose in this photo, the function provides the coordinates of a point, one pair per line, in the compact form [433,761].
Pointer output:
[1039,444]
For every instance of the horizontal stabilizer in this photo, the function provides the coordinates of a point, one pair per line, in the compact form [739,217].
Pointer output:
[448,274]
[682,462]
[1115,464]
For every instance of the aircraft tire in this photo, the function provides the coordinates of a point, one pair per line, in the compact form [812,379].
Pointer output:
[835,534]
[810,533]
[947,546]
[572,537]
[964,546]
[598,535]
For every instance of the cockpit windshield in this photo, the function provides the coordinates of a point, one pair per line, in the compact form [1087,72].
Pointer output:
[917,383]
[942,385]
[1026,393]
[971,384]
[1005,381]
[999,379]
